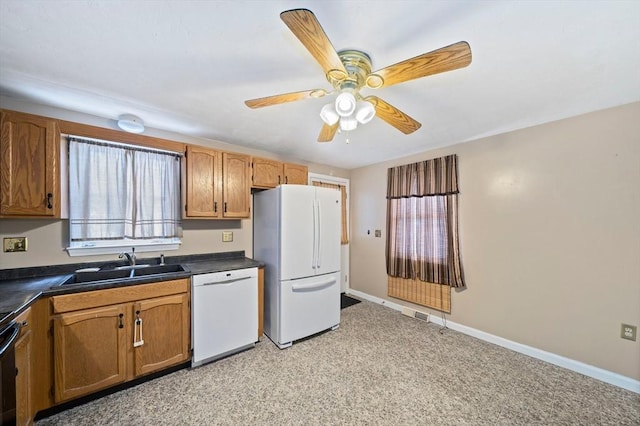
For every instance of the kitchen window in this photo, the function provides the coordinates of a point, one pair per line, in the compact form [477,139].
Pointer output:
[422,222]
[122,196]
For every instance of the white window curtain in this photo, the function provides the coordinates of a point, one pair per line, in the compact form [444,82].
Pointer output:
[120,192]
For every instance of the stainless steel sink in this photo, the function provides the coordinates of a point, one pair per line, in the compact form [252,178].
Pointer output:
[122,273]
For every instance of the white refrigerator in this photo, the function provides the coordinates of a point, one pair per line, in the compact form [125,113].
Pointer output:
[296,234]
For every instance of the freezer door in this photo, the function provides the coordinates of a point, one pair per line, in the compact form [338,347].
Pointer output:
[297,237]
[328,248]
[308,306]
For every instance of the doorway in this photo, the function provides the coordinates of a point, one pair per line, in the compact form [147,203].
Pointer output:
[344,255]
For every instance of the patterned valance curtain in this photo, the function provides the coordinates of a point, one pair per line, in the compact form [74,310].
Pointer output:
[422,222]
[344,237]
[432,177]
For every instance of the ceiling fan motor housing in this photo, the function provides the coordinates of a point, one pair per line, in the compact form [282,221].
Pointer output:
[358,66]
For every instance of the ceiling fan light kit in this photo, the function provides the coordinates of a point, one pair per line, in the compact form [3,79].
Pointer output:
[348,123]
[365,112]
[345,104]
[349,71]
[329,114]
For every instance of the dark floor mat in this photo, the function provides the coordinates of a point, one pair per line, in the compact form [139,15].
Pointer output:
[346,301]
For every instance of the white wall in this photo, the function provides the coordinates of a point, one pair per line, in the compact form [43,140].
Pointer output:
[549,235]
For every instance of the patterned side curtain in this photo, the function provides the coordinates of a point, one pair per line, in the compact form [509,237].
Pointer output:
[117,192]
[344,238]
[422,222]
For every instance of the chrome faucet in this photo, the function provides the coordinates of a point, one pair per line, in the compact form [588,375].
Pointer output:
[130,257]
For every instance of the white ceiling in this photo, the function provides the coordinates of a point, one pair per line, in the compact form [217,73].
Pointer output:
[188,66]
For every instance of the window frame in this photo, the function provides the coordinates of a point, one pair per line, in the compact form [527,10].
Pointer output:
[101,247]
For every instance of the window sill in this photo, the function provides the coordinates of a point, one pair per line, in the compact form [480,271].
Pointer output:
[120,246]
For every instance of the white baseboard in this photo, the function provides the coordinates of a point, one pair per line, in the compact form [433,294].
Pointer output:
[570,364]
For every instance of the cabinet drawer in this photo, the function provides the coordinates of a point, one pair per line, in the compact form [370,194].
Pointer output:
[112,296]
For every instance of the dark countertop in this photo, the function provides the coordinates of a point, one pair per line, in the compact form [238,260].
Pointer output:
[22,286]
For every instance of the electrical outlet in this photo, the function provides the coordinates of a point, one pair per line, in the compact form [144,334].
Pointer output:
[227,236]
[378,233]
[628,332]
[14,244]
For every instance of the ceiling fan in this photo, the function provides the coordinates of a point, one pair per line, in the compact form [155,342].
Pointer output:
[348,71]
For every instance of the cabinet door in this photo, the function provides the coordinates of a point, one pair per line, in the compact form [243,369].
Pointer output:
[203,183]
[161,332]
[24,400]
[89,350]
[266,173]
[29,150]
[236,185]
[295,174]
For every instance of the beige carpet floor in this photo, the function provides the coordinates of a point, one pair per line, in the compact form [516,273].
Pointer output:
[378,368]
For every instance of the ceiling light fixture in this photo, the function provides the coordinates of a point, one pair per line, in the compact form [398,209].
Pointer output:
[348,111]
[130,123]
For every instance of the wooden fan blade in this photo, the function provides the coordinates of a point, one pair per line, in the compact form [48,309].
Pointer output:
[448,58]
[305,26]
[285,97]
[327,132]
[394,116]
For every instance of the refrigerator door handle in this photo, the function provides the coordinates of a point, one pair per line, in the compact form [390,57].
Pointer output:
[315,235]
[319,254]
[314,286]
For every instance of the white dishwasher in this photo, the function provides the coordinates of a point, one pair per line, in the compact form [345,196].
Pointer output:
[224,313]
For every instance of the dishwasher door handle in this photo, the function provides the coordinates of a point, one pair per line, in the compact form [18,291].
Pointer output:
[229,281]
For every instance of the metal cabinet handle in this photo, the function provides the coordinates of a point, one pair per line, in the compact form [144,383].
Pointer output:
[49,200]
[215,206]
[121,324]
[225,206]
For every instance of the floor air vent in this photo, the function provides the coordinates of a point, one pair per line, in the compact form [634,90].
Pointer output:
[423,316]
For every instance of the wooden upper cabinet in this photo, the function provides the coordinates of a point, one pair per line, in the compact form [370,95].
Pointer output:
[295,174]
[29,166]
[271,173]
[203,189]
[236,185]
[266,173]
[218,184]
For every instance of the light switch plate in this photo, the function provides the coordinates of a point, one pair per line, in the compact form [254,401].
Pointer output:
[14,244]
[227,236]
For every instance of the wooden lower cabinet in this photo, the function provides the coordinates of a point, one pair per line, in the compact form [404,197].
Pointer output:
[96,347]
[89,351]
[161,333]
[24,383]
